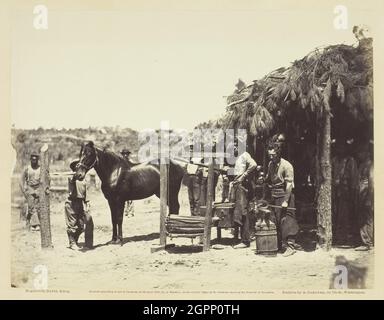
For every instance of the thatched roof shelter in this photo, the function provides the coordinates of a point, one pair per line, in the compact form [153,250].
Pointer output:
[325,96]
[291,97]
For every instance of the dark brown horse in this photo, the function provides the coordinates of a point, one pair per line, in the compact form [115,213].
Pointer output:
[122,181]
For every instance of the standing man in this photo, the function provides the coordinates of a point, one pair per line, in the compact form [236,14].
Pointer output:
[77,212]
[280,180]
[244,167]
[345,192]
[366,204]
[129,208]
[194,183]
[29,185]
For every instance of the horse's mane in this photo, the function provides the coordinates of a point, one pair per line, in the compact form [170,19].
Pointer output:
[111,154]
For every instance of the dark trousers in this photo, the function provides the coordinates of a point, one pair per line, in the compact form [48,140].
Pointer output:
[33,200]
[366,217]
[285,220]
[244,229]
[77,220]
[345,224]
[194,193]
[241,215]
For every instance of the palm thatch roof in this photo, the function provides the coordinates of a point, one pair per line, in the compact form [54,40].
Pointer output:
[337,78]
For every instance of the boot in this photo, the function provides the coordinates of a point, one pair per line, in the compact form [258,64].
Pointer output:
[72,242]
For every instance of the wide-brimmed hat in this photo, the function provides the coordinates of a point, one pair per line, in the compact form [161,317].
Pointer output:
[125,151]
[34,155]
[73,164]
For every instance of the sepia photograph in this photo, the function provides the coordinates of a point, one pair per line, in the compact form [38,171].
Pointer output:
[192,148]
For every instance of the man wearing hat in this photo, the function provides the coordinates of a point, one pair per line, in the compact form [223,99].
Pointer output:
[129,208]
[77,211]
[126,154]
[30,187]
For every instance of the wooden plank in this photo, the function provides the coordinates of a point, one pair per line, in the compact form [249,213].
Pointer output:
[184,235]
[185,223]
[185,230]
[45,223]
[208,213]
[186,218]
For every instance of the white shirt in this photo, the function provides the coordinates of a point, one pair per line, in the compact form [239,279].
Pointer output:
[242,163]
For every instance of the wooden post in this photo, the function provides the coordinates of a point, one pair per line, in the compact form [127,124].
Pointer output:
[208,213]
[164,168]
[163,202]
[324,180]
[45,223]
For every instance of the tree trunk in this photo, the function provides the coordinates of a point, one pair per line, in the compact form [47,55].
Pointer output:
[45,223]
[324,182]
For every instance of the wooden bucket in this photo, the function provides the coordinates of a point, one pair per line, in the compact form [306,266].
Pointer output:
[266,239]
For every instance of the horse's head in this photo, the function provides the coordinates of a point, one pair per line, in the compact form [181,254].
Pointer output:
[88,159]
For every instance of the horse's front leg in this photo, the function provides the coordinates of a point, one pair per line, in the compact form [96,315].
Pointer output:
[112,207]
[119,221]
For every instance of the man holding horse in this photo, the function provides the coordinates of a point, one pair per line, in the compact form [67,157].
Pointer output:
[77,215]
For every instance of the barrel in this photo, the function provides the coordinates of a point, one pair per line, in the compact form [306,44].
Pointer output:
[266,239]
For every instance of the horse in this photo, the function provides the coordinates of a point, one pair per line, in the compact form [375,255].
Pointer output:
[122,180]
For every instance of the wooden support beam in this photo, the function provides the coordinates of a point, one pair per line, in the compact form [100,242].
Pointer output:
[164,171]
[163,201]
[208,213]
[45,223]
[324,180]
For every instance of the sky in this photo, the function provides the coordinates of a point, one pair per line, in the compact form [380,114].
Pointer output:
[136,66]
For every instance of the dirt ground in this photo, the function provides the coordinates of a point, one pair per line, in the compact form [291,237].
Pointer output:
[185,267]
